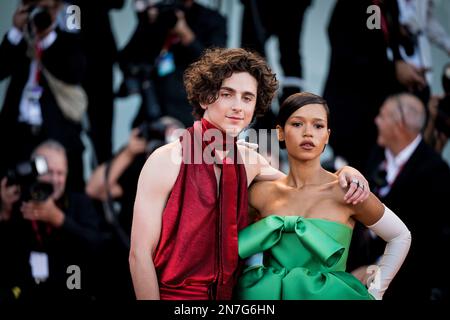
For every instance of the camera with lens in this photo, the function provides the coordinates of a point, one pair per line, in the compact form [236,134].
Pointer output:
[155,130]
[166,11]
[25,175]
[160,132]
[39,17]
[136,78]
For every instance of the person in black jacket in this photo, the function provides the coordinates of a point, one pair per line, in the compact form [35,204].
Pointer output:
[263,19]
[412,179]
[361,74]
[167,39]
[43,241]
[45,66]
[100,49]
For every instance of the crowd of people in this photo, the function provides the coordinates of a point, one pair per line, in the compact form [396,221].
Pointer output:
[131,222]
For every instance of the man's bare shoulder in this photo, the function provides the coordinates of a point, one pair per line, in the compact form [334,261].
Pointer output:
[170,154]
[257,166]
[164,163]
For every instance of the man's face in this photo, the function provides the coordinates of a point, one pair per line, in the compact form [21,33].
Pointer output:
[386,123]
[234,108]
[57,170]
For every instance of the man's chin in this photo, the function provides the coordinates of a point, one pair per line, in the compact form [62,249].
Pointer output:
[233,131]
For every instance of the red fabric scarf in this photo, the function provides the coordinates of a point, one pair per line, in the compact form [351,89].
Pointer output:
[197,255]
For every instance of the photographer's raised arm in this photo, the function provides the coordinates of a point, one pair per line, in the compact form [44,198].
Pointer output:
[96,187]
[9,196]
[194,44]
[13,47]
[155,184]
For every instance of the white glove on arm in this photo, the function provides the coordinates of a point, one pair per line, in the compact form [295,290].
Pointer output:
[392,230]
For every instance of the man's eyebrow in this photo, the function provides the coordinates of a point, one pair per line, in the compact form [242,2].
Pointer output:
[233,90]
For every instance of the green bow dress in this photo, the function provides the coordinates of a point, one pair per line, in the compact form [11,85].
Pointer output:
[304,258]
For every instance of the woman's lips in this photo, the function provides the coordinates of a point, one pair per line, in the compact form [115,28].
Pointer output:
[307,145]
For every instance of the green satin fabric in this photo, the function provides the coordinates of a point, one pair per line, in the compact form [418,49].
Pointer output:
[304,258]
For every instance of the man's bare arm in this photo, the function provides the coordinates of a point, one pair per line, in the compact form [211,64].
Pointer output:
[265,171]
[155,184]
[346,175]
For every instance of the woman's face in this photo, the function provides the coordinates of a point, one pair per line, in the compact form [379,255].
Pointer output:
[306,132]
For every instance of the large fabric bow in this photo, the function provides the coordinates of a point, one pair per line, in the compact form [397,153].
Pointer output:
[266,233]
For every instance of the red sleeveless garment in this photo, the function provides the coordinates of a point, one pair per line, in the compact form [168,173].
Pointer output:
[197,254]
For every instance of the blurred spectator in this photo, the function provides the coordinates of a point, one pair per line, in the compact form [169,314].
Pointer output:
[283,19]
[116,182]
[46,235]
[438,128]
[170,35]
[361,75]
[410,177]
[419,27]
[44,98]
[100,49]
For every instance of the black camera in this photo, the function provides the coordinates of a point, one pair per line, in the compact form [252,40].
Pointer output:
[25,175]
[161,5]
[40,17]
[135,77]
[155,130]
[166,11]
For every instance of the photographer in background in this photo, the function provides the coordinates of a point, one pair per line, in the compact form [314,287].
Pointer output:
[44,99]
[438,128]
[44,236]
[100,48]
[170,35]
[419,28]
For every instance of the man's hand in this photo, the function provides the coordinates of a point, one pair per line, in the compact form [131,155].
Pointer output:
[9,196]
[182,29]
[20,17]
[409,76]
[136,145]
[45,211]
[359,187]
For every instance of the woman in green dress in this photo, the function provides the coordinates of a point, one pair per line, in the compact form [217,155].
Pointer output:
[304,227]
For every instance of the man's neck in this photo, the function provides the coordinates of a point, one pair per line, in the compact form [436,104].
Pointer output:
[403,145]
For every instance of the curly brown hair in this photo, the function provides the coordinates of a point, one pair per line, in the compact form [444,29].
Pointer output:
[203,78]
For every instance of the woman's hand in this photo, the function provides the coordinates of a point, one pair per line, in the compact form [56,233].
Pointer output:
[359,187]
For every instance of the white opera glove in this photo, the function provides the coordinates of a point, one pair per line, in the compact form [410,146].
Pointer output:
[392,230]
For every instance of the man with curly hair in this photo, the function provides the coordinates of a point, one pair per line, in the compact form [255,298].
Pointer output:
[192,193]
